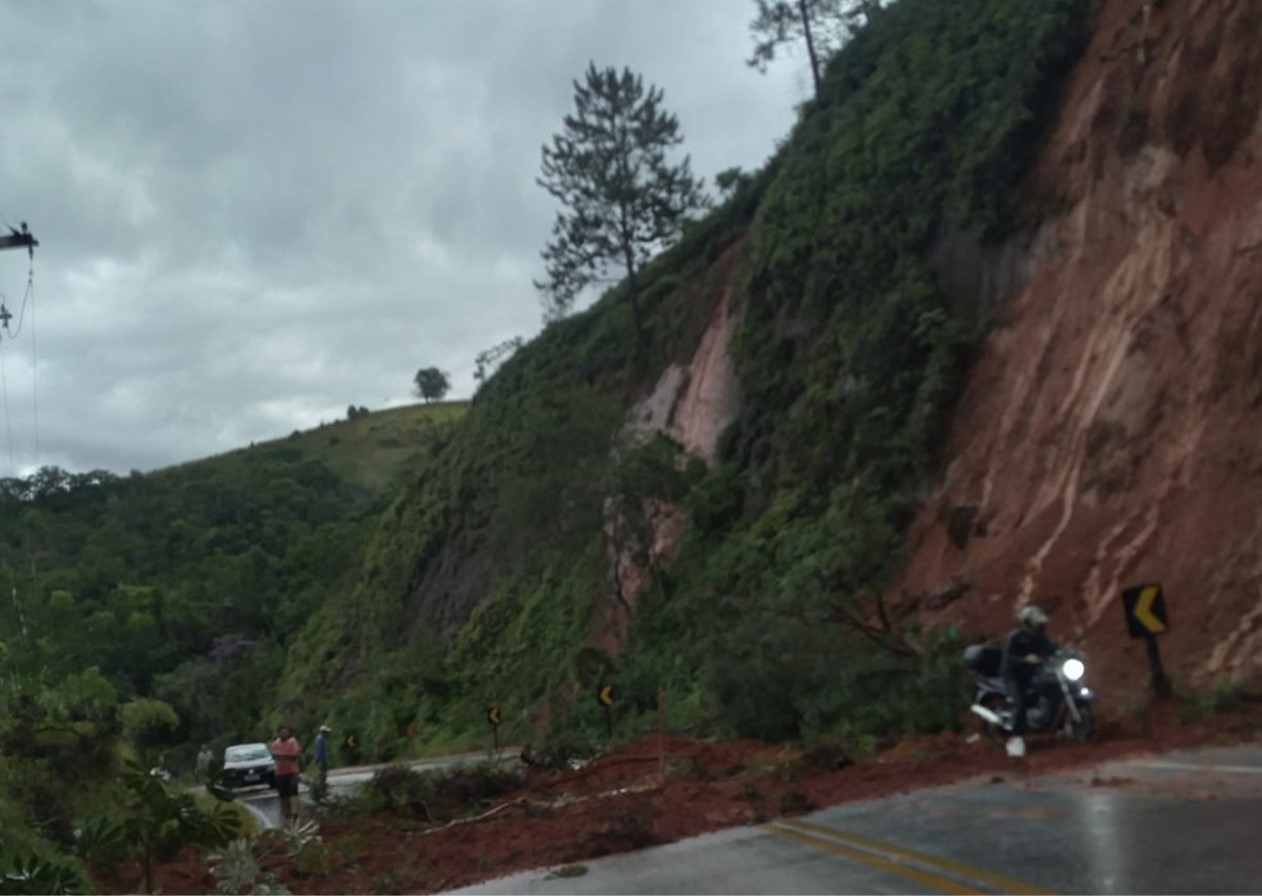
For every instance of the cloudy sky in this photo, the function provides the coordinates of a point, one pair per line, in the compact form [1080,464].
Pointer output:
[253,213]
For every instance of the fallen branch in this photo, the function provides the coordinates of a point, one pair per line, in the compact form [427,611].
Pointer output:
[521,800]
[565,800]
[590,767]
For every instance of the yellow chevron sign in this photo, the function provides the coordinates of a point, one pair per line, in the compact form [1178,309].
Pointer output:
[605,695]
[1145,611]
[493,715]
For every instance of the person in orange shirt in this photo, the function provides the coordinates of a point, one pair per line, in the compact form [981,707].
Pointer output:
[286,751]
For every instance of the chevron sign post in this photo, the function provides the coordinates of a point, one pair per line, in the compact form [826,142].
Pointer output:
[1146,618]
[604,695]
[494,718]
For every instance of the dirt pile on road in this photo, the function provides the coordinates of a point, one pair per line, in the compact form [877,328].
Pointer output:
[649,793]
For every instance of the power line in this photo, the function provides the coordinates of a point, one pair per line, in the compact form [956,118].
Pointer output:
[8,428]
[30,291]
[28,296]
[17,239]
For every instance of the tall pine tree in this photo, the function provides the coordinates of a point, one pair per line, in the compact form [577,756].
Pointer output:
[623,200]
[822,24]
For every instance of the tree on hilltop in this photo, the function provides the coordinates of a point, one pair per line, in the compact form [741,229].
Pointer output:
[623,201]
[431,384]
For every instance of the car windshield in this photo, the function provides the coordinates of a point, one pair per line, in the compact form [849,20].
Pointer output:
[243,752]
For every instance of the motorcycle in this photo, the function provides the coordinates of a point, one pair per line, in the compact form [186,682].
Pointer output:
[1060,702]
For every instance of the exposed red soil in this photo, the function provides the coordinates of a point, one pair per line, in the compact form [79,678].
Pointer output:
[1107,433]
[187,874]
[622,802]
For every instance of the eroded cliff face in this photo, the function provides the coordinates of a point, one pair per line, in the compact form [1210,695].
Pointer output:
[693,403]
[1109,430]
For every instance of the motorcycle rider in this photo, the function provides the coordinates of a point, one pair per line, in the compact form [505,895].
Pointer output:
[1025,647]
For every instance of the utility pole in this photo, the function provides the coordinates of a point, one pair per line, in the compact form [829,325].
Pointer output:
[17,239]
[22,239]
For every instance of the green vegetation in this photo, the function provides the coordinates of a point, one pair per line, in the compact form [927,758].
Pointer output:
[71,786]
[29,874]
[237,867]
[147,614]
[434,797]
[187,585]
[1223,696]
[151,823]
[59,752]
[374,450]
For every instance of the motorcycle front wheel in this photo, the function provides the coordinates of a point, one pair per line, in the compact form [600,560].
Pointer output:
[1084,729]
[992,732]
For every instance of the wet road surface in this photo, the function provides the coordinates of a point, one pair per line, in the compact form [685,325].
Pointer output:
[1179,823]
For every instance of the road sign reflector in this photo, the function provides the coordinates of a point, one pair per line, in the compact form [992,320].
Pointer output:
[1146,618]
[1145,611]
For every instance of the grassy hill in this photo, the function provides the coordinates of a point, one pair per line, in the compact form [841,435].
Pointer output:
[371,451]
[376,450]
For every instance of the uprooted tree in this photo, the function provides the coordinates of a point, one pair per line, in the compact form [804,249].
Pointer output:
[623,200]
[489,360]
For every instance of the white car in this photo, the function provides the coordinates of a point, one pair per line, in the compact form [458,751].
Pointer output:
[247,765]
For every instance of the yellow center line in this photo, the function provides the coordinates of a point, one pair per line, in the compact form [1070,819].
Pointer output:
[1004,884]
[928,878]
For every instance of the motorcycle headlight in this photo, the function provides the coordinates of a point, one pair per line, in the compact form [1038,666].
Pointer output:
[1073,669]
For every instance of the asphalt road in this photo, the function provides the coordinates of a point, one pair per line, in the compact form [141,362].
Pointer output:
[263,804]
[1179,823]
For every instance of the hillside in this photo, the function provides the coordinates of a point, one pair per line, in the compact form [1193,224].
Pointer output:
[715,517]
[371,452]
[190,582]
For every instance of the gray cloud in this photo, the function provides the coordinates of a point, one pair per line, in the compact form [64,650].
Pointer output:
[253,214]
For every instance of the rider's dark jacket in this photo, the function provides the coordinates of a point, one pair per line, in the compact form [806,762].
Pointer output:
[1019,644]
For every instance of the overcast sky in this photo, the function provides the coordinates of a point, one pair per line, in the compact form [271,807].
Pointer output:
[253,214]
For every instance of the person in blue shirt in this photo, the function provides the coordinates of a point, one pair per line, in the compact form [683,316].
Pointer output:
[322,754]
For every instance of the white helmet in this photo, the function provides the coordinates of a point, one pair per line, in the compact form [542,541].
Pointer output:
[1032,616]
